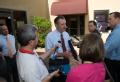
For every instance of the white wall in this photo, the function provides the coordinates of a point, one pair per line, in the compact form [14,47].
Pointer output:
[111,5]
[51,16]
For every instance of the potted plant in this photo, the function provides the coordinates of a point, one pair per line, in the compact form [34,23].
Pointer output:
[43,26]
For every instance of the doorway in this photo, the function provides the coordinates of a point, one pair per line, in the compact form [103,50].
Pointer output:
[76,24]
[7,20]
[12,18]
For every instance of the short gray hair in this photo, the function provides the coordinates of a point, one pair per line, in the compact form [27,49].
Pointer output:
[25,33]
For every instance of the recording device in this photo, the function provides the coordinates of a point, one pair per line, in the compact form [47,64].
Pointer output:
[56,67]
[59,41]
[73,51]
[78,44]
[76,37]
[57,47]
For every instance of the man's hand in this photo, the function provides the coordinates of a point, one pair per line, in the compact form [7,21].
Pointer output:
[50,76]
[55,73]
[64,54]
[50,51]
[67,54]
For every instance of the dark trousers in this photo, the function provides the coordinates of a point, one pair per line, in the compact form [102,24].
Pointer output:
[57,63]
[61,78]
[12,69]
[114,69]
[3,69]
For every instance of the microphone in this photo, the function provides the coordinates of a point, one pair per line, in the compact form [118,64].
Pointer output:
[59,41]
[56,47]
[76,37]
[73,51]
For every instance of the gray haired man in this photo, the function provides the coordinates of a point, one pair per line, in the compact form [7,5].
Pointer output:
[30,66]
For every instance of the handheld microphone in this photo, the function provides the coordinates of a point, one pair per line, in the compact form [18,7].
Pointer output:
[76,37]
[73,51]
[57,47]
[59,41]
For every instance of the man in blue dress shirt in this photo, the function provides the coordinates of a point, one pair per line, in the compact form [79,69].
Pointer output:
[112,46]
[7,43]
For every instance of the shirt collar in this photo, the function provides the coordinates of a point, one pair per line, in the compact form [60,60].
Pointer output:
[4,36]
[116,26]
[26,51]
[59,32]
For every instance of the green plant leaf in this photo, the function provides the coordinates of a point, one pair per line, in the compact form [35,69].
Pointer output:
[43,25]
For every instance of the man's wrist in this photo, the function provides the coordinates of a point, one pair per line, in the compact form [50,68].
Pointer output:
[52,49]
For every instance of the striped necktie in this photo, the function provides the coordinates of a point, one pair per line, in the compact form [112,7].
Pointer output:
[63,43]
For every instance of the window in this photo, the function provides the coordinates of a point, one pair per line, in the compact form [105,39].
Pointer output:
[101,17]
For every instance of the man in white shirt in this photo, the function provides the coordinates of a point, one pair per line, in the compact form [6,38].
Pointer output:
[60,57]
[31,68]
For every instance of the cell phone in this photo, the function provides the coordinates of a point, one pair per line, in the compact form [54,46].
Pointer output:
[59,41]
[61,72]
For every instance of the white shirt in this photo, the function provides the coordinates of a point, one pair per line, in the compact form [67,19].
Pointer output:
[30,67]
[53,38]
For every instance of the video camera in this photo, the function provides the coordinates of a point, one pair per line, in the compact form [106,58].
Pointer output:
[56,67]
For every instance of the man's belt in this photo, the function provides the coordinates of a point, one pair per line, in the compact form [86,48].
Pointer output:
[58,61]
[60,57]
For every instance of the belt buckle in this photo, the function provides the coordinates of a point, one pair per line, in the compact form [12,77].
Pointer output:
[60,57]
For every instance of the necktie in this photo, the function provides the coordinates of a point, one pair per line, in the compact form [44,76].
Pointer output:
[10,50]
[63,43]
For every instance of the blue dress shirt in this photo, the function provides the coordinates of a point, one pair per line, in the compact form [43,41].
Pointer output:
[3,44]
[112,45]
